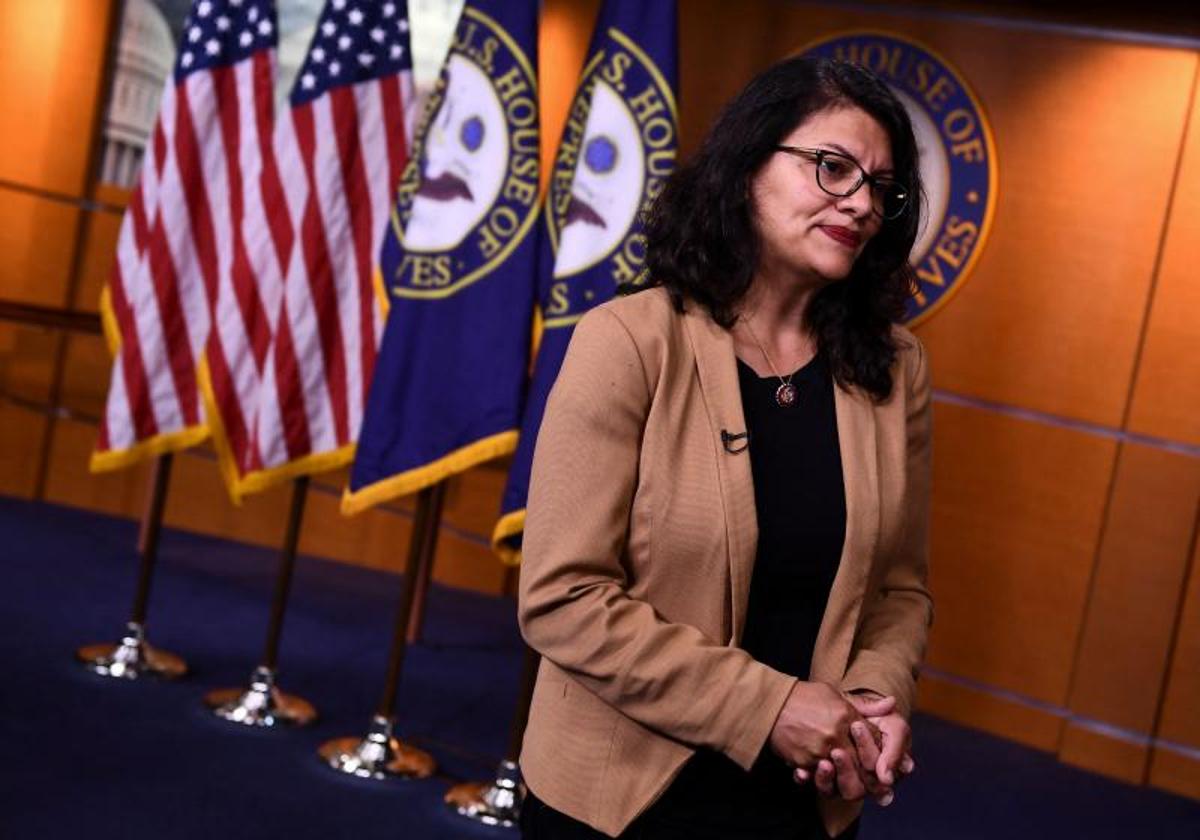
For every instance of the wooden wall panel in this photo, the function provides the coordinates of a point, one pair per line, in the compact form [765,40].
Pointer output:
[26,359]
[197,501]
[1103,751]
[1052,319]
[981,708]
[25,366]
[1131,611]
[50,72]
[19,446]
[1140,572]
[36,236]
[1174,771]
[1017,508]
[464,557]
[88,365]
[1168,379]
[468,563]
[473,498]
[1178,722]
[101,229]
[68,482]
[86,370]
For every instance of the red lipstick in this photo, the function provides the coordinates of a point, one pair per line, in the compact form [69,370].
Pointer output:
[842,235]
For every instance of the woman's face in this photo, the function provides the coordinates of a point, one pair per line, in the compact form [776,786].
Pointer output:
[802,229]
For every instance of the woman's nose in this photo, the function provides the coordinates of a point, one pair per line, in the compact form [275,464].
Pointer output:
[858,203]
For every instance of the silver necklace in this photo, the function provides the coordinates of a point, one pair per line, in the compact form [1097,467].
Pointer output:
[787,393]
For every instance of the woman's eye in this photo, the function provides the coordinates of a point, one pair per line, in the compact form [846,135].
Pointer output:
[832,166]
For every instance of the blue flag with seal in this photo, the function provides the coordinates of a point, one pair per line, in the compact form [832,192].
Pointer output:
[617,149]
[458,267]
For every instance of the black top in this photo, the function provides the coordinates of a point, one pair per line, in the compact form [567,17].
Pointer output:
[801,505]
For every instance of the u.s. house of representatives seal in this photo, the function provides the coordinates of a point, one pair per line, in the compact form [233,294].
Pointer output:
[617,149]
[469,194]
[958,156]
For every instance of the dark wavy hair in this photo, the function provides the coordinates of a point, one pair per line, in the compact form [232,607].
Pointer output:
[702,244]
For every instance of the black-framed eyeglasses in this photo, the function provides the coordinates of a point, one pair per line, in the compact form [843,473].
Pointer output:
[841,175]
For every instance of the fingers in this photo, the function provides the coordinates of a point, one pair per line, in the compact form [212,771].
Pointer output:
[849,775]
[841,779]
[892,756]
[870,706]
[865,743]
[868,760]
[823,778]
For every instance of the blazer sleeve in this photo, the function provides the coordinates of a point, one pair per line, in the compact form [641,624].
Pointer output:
[890,644]
[574,606]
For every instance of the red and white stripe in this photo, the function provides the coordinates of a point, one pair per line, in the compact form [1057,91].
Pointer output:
[159,304]
[191,254]
[345,152]
[254,237]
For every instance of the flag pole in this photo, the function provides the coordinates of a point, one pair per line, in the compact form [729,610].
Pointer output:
[261,703]
[499,801]
[133,657]
[424,576]
[381,755]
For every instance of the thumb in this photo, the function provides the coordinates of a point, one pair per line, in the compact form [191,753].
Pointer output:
[872,706]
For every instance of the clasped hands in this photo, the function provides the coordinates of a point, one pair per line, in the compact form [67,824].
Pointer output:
[848,745]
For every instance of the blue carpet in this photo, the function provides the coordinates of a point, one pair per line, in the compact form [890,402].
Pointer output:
[84,757]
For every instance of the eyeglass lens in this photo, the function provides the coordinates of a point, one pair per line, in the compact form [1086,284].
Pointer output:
[839,175]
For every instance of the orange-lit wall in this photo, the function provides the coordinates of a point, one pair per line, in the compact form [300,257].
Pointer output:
[1067,435]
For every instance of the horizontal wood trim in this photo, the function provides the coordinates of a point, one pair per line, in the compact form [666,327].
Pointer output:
[1117,758]
[1175,771]
[982,709]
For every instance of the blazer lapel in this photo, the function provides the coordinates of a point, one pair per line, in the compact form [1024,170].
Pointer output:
[860,471]
[716,366]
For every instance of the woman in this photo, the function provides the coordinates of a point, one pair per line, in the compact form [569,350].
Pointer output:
[725,549]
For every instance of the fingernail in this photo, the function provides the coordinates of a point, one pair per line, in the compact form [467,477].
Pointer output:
[887,799]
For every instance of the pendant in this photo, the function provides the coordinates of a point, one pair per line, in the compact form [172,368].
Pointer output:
[785,395]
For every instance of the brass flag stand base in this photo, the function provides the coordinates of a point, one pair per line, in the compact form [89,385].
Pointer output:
[261,704]
[381,755]
[133,657]
[499,802]
[495,803]
[378,756]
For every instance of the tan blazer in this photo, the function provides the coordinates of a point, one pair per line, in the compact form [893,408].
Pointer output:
[639,546]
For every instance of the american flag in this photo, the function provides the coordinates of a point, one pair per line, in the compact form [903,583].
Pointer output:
[188,245]
[344,147]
